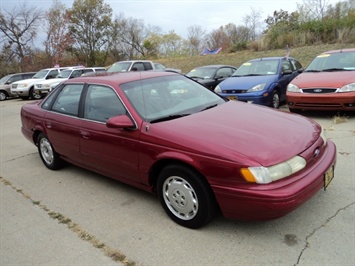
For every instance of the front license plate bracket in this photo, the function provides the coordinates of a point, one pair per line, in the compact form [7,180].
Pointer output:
[328,176]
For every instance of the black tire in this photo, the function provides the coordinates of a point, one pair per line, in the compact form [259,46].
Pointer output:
[275,100]
[3,95]
[185,196]
[49,156]
[33,95]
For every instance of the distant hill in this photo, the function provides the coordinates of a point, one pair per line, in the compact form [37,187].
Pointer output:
[304,54]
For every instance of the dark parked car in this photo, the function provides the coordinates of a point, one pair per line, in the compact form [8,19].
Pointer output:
[6,81]
[328,83]
[210,76]
[261,81]
[167,134]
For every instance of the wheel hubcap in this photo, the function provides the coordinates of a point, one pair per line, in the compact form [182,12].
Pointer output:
[46,151]
[2,96]
[180,198]
[276,100]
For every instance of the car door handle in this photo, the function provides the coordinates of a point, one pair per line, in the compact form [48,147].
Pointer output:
[85,134]
[48,125]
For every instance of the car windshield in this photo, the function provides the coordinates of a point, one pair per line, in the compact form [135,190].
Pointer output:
[4,79]
[165,98]
[159,66]
[64,74]
[333,62]
[257,68]
[202,72]
[40,74]
[119,67]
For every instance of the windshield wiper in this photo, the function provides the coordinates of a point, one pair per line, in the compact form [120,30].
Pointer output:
[332,69]
[312,70]
[167,118]
[209,107]
[248,75]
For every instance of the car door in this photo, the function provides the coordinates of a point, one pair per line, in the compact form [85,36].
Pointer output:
[61,121]
[109,151]
[287,74]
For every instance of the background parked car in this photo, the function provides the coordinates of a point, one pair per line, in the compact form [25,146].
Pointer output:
[25,88]
[261,81]
[167,134]
[210,76]
[45,86]
[328,83]
[6,81]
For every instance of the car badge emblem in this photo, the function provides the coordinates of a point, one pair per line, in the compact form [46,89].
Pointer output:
[318,90]
[316,153]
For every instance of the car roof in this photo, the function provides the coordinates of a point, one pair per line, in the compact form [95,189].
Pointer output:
[348,50]
[269,58]
[208,66]
[120,77]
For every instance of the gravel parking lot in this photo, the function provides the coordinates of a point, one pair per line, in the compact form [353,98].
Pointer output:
[76,217]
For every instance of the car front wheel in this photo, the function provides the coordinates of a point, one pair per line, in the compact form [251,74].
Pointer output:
[185,196]
[275,100]
[34,95]
[3,95]
[47,153]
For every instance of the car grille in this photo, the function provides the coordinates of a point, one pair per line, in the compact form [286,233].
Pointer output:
[319,90]
[324,105]
[234,91]
[39,86]
[14,86]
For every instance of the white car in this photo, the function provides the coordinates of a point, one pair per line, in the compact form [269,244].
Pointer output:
[25,88]
[45,86]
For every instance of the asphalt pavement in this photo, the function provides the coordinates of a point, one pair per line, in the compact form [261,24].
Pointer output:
[76,217]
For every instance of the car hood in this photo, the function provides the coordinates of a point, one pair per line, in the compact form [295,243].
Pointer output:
[52,81]
[324,79]
[28,81]
[237,131]
[233,83]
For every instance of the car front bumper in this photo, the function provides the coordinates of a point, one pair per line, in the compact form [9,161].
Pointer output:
[331,101]
[278,198]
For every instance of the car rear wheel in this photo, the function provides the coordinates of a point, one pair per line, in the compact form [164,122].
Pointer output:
[185,196]
[3,95]
[47,153]
[275,100]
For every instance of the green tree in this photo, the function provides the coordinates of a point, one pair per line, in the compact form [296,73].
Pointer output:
[58,39]
[90,27]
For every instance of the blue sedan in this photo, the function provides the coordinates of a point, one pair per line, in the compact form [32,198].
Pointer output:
[261,81]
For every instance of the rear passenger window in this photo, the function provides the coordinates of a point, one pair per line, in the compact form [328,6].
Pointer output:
[68,99]
[102,103]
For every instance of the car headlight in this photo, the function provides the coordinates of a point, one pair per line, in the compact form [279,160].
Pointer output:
[347,88]
[22,85]
[265,175]
[293,88]
[47,86]
[217,89]
[258,87]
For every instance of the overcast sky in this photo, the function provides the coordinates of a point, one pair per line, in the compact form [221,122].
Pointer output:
[178,15]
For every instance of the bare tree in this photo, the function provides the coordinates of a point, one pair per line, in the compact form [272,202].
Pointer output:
[58,38]
[129,35]
[253,22]
[195,39]
[18,29]
[314,9]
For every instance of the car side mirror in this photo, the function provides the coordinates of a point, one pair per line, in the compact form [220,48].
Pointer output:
[120,121]
[287,72]
[300,70]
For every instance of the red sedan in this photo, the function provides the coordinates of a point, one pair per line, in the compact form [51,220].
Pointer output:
[169,135]
[328,83]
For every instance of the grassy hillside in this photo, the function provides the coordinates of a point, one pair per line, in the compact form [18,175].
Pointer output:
[303,54]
